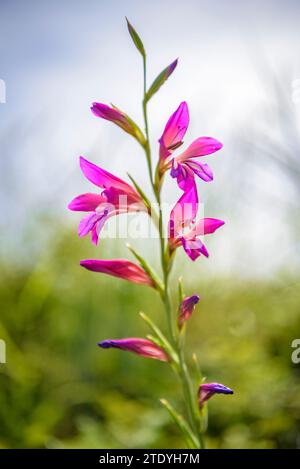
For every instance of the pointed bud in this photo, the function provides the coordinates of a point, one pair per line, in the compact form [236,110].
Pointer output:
[143,347]
[121,268]
[207,390]
[119,118]
[186,309]
[160,79]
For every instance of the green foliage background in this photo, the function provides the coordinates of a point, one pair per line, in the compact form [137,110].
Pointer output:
[59,390]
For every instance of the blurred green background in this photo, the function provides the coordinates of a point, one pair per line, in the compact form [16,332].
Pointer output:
[59,390]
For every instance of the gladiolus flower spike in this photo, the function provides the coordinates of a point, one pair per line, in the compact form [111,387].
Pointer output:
[185,229]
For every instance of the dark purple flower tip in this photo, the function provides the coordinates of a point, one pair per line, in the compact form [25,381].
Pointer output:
[207,390]
[106,344]
[186,309]
[216,388]
[194,299]
[172,67]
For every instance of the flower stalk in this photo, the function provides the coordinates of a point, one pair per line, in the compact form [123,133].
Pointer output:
[182,369]
[118,197]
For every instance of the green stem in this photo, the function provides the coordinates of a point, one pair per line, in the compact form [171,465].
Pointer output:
[182,370]
[145,114]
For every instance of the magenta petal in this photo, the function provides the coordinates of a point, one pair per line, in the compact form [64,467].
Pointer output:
[176,126]
[202,170]
[86,202]
[183,174]
[95,236]
[108,113]
[102,178]
[184,212]
[207,226]
[87,223]
[121,268]
[92,222]
[186,309]
[144,347]
[194,248]
[200,147]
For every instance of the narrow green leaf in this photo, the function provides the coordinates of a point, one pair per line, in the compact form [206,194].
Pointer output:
[162,339]
[147,268]
[155,340]
[136,39]
[181,293]
[190,438]
[140,191]
[160,79]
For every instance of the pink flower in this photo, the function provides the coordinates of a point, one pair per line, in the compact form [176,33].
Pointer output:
[143,347]
[117,197]
[184,167]
[121,268]
[183,228]
[207,390]
[186,309]
[119,118]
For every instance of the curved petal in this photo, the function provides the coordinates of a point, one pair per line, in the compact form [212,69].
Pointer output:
[194,248]
[86,202]
[91,222]
[87,223]
[207,226]
[183,174]
[102,178]
[176,127]
[202,146]
[202,170]
[185,211]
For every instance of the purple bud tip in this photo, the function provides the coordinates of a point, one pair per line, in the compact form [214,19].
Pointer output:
[105,344]
[195,299]
[216,388]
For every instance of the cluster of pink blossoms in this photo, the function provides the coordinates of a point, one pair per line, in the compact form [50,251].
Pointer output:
[117,196]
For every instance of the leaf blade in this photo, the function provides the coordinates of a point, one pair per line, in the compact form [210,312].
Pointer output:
[136,39]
